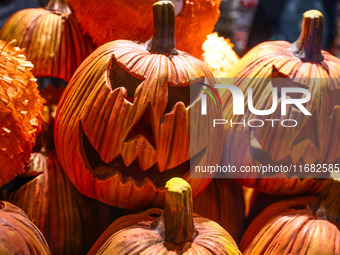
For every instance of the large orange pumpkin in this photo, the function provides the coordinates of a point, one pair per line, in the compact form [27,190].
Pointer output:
[67,219]
[122,125]
[18,235]
[52,38]
[172,231]
[21,111]
[132,20]
[315,139]
[299,226]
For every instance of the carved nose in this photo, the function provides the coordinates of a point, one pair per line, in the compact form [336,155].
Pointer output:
[143,127]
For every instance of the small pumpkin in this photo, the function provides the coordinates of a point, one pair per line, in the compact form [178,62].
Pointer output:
[51,37]
[299,226]
[175,231]
[18,235]
[122,125]
[315,139]
[222,201]
[219,55]
[67,219]
[107,20]
[21,111]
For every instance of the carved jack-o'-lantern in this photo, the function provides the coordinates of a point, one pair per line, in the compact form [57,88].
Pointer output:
[122,125]
[315,139]
[195,19]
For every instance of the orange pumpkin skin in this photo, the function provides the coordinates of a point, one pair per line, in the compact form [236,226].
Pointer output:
[222,201]
[300,145]
[21,112]
[18,235]
[133,21]
[291,227]
[125,104]
[172,231]
[52,38]
[67,219]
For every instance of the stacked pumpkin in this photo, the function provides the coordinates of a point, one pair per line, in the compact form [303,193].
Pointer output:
[303,225]
[52,38]
[316,138]
[122,125]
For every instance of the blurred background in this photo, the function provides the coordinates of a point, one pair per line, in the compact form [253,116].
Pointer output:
[248,22]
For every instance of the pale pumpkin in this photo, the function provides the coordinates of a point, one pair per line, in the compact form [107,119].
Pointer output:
[18,235]
[176,230]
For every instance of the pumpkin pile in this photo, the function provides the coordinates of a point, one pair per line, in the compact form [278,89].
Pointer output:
[114,171]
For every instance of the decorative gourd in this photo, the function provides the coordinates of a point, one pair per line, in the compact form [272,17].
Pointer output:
[222,201]
[21,112]
[219,55]
[122,125]
[107,20]
[18,235]
[51,37]
[175,231]
[315,139]
[294,227]
[68,220]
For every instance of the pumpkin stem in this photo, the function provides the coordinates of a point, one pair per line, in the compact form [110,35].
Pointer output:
[327,205]
[176,224]
[58,6]
[308,46]
[163,38]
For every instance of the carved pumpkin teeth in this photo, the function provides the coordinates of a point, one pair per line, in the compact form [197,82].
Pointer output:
[140,148]
[140,173]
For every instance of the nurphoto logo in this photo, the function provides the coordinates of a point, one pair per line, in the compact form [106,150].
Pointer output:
[239,103]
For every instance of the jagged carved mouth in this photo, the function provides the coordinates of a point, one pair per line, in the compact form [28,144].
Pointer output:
[262,157]
[103,171]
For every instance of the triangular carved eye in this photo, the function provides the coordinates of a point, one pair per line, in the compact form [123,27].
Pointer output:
[121,78]
[181,94]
